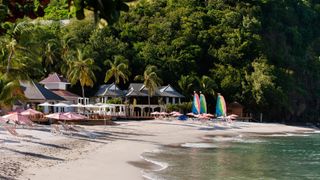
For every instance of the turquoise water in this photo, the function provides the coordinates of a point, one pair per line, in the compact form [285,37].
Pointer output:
[292,157]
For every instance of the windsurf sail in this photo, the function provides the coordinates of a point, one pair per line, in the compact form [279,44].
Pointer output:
[196,104]
[221,108]
[203,104]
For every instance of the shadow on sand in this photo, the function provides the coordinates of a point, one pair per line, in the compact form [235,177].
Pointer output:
[36,155]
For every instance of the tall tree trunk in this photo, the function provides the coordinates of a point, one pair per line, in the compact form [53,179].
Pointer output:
[82,88]
[9,61]
[149,104]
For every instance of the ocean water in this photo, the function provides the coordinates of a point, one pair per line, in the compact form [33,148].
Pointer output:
[282,156]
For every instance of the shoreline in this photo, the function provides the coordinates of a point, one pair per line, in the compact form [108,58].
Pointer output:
[117,152]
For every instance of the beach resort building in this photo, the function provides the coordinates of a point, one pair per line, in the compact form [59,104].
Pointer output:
[36,94]
[136,98]
[108,91]
[58,85]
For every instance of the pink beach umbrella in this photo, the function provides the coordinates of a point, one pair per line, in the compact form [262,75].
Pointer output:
[203,116]
[58,116]
[3,120]
[74,116]
[18,118]
[176,114]
[31,112]
[163,113]
[155,113]
[232,116]
[191,114]
[208,115]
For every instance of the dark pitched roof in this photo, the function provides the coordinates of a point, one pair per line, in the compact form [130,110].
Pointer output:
[34,91]
[136,86]
[138,89]
[54,78]
[109,90]
[168,91]
[64,93]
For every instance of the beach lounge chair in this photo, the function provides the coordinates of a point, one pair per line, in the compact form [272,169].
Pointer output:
[55,129]
[67,128]
[12,131]
[78,129]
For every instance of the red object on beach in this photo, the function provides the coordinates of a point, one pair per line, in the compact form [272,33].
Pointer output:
[31,112]
[18,118]
[58,116]
[74,116]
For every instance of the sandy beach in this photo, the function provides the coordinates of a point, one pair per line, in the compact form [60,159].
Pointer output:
[109,152]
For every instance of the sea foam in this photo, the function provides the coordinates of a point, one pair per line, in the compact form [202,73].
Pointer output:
[199,145]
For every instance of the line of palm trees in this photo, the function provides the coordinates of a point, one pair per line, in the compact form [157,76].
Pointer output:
[57,54]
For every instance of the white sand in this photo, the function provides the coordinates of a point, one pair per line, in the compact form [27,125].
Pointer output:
[112,153]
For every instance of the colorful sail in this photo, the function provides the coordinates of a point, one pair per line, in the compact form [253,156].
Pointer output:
[203,104]
[196,104]
[221,108]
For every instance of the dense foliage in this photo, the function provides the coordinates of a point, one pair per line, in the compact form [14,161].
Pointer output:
[262,53]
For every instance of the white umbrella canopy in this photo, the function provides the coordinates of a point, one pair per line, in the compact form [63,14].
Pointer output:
[77,105]
[91,106]
[45,104]
[61,105]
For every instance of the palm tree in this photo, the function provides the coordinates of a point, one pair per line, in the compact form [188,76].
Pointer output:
[10,92]
[15,43]
[150,80]
[186,83]
[207,85]
[118,70]
[82,69]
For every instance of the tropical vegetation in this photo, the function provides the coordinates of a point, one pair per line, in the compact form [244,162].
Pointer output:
[263,54]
